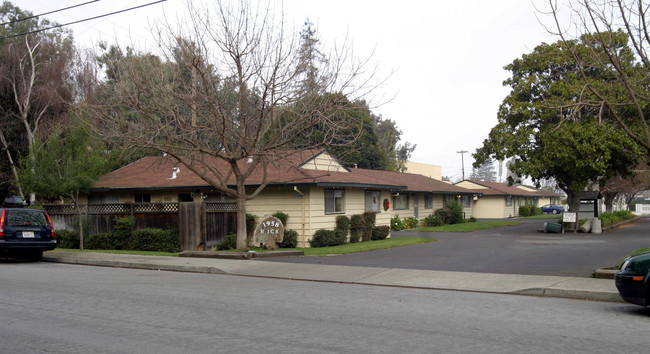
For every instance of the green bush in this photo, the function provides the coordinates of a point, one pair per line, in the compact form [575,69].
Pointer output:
[282,216]
[66,239]
[380,232]
[624,214]
[473,219]
[289,240]
[396,223]
[410,223]
[327,238]
[101,241]
[431,220]
[356,228]
[443,216]
[229,242]
[456,216]
[368,224]
[343,223]
[355,235]
[154,239]
[123,232]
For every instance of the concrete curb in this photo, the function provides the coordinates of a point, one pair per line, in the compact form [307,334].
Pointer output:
[532,285]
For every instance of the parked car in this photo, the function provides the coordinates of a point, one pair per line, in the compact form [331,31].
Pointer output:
[632,279]
[26,233]
[552,208]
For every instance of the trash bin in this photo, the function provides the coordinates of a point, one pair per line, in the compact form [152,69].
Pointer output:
[552,227]
[596,226]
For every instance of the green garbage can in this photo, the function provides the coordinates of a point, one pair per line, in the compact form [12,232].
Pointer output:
[552,227]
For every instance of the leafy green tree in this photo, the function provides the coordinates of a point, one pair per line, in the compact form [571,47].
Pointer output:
[617,46]
[68,164]
[546,142]
[36,85]
[485,172]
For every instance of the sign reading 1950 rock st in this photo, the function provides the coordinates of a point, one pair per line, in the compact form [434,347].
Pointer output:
[268,233]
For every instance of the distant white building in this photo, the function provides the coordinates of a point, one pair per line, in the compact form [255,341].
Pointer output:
[425,169]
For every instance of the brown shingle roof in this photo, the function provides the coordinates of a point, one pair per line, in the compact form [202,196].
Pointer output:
[498,188]
[155,172]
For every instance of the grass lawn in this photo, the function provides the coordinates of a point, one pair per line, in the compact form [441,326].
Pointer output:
[364,246]
[468,226]
[319,251]
[545,216]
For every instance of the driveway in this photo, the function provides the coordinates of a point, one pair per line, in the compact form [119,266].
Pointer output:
[519,249]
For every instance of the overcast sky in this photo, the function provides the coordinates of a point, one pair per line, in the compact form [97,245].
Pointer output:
[447,56]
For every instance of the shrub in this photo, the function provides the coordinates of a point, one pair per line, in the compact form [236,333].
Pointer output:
[431,220]
[123,231]
[327,238]
[473,219]
[101,241]
[443,215]
[356,221]
[282,216]
[154,239]
[396,223]
[380,232]
[229,242]
[66,239]
[624,214]
[355,235]
[524,210]
[343,223]
[368,224]
[290,239]
[410,222]
[456,216]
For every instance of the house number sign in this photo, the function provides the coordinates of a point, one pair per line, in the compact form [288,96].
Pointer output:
[269,231]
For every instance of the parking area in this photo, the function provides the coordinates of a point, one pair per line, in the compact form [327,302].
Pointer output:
[517,249]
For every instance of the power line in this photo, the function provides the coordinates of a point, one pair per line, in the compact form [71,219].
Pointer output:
[79,21]
[47,13]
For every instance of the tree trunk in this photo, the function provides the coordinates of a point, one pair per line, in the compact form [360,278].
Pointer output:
[242,241]
[573,199]
[609,201]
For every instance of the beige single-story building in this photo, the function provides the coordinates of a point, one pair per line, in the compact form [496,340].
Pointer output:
[501,201]
[311,186]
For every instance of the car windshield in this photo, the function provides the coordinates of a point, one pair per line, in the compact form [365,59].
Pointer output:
[25,218]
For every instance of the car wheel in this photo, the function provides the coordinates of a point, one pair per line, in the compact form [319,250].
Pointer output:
[554,211]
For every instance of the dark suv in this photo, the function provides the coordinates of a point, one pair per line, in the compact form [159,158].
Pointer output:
[25,232]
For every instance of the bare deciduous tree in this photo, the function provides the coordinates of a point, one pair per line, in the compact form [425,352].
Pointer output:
[226,88]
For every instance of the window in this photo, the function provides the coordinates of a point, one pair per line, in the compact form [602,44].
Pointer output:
[372,201]
[185,197]
[466,201]
[142,198]
[446,200]
[334,202]
[401,202]
[509,200]
[428,201]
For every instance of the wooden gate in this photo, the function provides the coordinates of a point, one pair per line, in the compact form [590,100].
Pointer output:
[192,225]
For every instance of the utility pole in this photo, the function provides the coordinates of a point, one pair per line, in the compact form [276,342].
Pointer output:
[462,159]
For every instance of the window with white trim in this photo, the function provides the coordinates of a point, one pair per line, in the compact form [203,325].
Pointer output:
[428,201]
[334,202]
[401,202]
[372,201]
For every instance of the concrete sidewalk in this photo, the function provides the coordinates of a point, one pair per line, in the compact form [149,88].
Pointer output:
[535,285]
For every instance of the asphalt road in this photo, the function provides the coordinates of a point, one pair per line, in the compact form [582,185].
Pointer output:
[517,249]
[58,308]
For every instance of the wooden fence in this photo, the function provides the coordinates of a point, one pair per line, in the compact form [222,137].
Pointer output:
[221,218]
